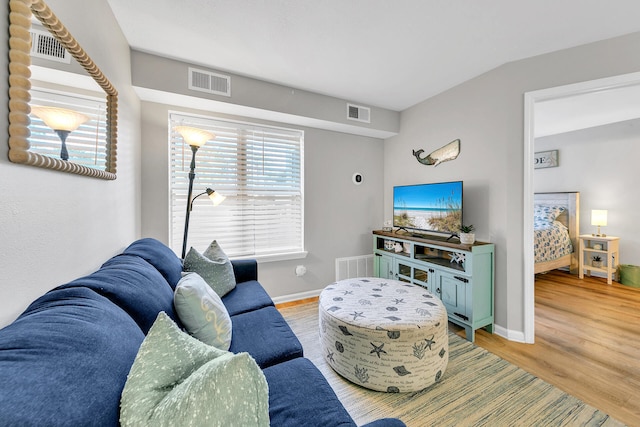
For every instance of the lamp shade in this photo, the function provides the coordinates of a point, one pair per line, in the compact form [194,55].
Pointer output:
[194,136]
[216,198]
[598,217]
[59,118]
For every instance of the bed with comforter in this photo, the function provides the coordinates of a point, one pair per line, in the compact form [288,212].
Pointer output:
[556,218]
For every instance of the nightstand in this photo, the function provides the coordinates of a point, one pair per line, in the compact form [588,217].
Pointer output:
[606,247]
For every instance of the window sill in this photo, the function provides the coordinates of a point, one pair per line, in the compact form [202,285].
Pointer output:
[276,257]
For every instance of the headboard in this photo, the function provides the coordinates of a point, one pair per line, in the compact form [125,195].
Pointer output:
[570,201]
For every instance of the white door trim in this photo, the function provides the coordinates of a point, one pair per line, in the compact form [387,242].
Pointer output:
[530,98]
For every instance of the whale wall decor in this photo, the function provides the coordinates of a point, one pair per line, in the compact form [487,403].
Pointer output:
[442,154]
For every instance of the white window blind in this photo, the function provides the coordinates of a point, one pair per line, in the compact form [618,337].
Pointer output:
[87,145]
[258,169]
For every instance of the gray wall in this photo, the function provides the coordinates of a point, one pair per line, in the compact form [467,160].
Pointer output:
[486,113]
[601,163]
[339,215]
[55,226]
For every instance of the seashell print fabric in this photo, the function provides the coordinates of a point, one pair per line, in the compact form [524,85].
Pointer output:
[384,335]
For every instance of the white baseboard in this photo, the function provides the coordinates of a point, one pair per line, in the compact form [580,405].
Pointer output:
[296,297]
[516,336]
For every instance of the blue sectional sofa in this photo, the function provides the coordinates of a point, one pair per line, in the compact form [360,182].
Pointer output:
[65,360]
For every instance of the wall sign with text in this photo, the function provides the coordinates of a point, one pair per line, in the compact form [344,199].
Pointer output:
[545,159]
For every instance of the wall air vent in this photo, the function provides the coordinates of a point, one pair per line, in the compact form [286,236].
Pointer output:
[44,45]
[206,81]
[358,113]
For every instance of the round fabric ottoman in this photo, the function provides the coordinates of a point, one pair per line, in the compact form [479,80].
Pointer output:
[384,334]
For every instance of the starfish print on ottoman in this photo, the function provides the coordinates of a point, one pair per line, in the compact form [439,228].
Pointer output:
[357,314]
[377,349]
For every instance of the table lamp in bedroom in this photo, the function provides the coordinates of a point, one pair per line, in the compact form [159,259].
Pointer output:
[599,217]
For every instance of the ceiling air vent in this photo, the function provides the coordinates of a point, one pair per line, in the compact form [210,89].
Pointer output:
[206,81]
[358,113]
[44,45]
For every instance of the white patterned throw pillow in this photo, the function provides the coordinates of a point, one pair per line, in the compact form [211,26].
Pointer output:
[202,312]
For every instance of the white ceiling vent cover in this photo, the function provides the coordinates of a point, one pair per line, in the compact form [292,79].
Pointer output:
[358,113]
[206,81]
[44,45]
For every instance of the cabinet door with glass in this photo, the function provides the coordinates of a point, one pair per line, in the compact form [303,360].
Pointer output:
[418,274]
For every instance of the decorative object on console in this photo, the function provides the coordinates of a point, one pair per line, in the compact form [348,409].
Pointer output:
[545,159]
[467,235]
[62,122]
[442,154]
[457,257]
[196,138]
[599,218]
[388,225]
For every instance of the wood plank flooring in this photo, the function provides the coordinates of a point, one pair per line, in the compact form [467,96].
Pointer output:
[587,342]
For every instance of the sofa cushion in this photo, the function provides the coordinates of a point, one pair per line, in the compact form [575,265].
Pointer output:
[265,335]
[202,312]
[160,256]
[178,380]
[246,296]
[134,285]
[65,360]
[214,268]
[320,406]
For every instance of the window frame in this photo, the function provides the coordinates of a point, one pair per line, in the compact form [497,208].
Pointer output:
[179,160]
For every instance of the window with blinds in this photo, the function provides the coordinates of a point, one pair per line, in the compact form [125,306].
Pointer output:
[259,170]
[86,145]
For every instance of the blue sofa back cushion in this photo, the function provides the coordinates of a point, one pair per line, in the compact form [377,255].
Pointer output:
[160,256]
[134,285]
[65,361]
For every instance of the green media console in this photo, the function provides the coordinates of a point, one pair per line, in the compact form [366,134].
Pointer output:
[462,276]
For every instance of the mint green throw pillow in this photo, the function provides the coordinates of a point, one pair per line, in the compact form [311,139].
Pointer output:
[202,312]
[177,380]
[213,266]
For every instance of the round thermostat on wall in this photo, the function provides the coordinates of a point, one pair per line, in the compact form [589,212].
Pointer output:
[357,178]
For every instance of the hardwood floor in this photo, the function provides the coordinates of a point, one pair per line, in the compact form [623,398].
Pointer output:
[587,342]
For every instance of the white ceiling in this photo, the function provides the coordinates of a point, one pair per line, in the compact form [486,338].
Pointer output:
[385,53]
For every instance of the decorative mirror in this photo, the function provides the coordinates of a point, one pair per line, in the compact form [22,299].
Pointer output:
[21,149]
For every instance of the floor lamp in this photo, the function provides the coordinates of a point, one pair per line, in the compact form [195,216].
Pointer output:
[62,121]
[196,138]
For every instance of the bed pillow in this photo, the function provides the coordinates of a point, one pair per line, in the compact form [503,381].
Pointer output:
[546,214]
[202,312]
[213,266]
[178,380]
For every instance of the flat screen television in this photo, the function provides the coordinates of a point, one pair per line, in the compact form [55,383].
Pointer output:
[428,208]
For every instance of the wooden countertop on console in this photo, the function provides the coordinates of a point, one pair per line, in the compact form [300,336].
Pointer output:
[454,242]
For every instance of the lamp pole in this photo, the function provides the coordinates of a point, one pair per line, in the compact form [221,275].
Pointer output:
[192,175]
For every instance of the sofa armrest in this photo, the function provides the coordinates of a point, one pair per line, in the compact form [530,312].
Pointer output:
[245,269]
[386,422]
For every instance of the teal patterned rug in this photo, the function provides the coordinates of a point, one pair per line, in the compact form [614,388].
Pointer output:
[477,389]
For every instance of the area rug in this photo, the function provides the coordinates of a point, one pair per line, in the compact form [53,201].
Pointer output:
[477,389]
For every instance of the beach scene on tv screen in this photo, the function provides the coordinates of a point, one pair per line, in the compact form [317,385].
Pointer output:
[429,207]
